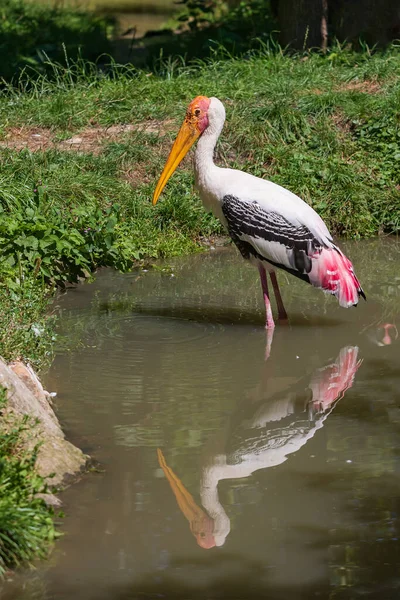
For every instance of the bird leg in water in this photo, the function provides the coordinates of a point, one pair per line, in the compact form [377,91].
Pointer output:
[270,336]
[282,314]
[268,310]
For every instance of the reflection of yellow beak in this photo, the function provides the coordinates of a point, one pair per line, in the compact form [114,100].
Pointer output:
[201,525]
[187,136]
[185,500]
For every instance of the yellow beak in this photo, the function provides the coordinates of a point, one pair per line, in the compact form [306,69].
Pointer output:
[186,137]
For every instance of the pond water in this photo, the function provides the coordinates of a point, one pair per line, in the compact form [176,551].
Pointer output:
[138,24]
[222,474]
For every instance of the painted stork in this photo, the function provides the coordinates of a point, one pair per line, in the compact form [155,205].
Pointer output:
[271,226]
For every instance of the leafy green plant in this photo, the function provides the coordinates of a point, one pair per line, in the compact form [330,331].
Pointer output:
[61,246]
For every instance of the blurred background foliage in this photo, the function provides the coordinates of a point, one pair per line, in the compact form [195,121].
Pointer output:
[32,32]
[141,33]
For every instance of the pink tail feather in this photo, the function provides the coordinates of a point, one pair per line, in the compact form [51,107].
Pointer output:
[333,272]
[331,382]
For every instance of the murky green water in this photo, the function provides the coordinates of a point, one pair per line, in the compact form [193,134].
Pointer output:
[174,360]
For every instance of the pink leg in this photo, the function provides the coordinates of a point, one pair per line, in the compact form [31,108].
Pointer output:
[268,311]
[282,314]
[270,335]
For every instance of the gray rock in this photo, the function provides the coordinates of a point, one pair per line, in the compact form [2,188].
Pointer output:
[58,460]
[51,500]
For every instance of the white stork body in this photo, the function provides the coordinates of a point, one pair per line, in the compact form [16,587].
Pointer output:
[271,226]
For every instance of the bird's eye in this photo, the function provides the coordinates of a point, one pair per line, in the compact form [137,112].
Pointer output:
[197,112]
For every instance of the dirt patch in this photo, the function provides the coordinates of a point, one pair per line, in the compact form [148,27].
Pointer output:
[137,176]
[88,140]
[367,87]
[34,138]
[341,122]
[139,172]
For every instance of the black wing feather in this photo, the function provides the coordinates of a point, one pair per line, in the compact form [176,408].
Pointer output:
[250,219]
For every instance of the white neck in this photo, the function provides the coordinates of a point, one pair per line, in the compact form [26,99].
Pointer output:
[210,501]
[204,156]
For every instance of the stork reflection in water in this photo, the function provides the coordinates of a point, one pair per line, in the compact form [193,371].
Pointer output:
[271,226]
[261,437]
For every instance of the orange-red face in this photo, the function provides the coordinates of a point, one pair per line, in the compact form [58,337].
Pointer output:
[196,113]
[196,121]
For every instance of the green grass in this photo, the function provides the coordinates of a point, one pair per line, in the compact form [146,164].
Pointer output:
[327,128]
[26,328]
[26,524]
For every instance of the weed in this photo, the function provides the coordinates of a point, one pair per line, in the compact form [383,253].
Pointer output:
[26,524]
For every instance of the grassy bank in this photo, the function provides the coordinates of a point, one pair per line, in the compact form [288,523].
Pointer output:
[81,151]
